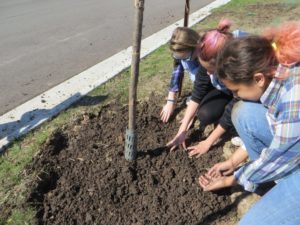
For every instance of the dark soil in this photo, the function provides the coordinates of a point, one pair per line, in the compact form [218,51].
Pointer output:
[84,178]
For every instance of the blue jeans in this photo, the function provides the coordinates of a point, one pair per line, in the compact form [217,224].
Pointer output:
[280,205]
[250,121]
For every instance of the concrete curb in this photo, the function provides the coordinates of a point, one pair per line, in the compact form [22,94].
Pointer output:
[48,104]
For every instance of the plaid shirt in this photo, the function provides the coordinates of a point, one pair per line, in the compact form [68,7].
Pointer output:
[192,66]
[282,157]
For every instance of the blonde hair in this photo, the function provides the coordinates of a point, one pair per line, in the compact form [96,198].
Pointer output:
[184,39]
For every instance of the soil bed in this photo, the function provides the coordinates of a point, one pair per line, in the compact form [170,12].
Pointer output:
[84,178]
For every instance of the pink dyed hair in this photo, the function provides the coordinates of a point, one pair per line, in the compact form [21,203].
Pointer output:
[286,42]
[213,41]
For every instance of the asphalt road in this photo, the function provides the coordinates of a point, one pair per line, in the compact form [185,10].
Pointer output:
[45,42]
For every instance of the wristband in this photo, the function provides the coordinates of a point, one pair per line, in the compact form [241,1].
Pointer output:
[171,100]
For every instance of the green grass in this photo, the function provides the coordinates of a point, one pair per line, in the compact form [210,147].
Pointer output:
[239,4]
[156,65]
[253,15]
[155,72]
[21,217]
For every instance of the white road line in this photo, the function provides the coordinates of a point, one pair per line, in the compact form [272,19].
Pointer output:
[43,107]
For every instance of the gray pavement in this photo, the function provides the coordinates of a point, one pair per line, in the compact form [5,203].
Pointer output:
[43,42]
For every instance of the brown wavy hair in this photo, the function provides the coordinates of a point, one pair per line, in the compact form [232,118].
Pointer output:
[184,39]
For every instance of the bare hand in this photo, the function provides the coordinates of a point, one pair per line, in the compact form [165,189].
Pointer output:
[199,149]
[210,184]
[167,111]
[221,169]
[178,140]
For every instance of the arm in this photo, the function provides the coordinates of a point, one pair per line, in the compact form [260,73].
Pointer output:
[224,125]
[227,167]
[214,136]
[181,134]
[169,107]
[282,156]
[238,157]
[175,86]
[203,146]
[273,163]
[201,87]
[217,177]
[189,115]
[172,95]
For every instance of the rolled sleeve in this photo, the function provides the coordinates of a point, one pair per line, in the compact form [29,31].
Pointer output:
[243,180]
[177,76]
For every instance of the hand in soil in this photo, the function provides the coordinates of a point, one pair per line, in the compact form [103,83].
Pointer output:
[209,183]
[199,149]
[167,111]
[178,140]
[220,169]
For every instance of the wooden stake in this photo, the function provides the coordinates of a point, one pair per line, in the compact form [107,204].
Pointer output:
[131,137]
[185,24]
[186,13]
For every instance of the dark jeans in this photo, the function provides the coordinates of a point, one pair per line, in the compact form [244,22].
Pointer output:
[212,110]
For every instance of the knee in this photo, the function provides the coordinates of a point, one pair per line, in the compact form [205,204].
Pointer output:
[242,112]
[204,116]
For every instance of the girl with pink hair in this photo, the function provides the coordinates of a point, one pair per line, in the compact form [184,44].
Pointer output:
[211,101]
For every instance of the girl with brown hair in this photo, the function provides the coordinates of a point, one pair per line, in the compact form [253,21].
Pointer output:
[182,45]
[264,71]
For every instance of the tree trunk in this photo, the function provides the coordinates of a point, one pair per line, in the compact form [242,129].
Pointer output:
[131,137]
[185,24]
[186,13]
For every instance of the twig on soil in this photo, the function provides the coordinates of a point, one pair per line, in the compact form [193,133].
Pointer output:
[202,169]
[104,145]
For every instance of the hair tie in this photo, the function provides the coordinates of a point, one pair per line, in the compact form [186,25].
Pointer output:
[274,45]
